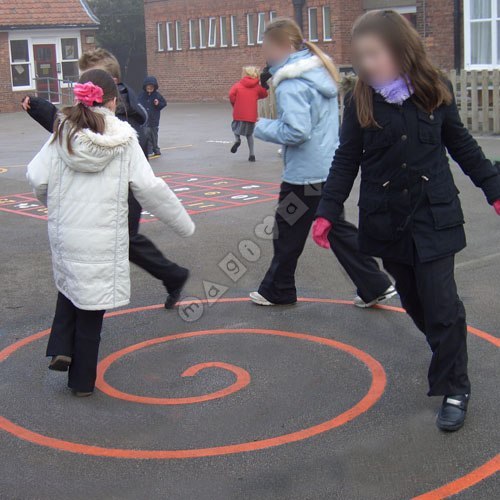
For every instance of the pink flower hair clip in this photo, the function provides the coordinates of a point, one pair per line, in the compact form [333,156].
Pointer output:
[88,93]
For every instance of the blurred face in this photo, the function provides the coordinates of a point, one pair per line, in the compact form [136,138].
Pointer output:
[375,61]
[150,88]
[274,53]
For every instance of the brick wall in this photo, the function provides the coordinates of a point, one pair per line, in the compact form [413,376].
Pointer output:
[435,23]
[207,74]
[10,100]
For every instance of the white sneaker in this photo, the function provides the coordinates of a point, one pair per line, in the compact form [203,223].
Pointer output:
[258,299]
[388,294]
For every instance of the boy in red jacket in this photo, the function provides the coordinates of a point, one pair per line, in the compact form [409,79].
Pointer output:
[244,96]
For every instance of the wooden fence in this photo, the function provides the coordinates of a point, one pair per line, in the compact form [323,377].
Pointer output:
[477,94]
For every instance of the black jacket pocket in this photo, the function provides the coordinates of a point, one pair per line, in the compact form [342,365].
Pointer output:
[445,205]
[429,127]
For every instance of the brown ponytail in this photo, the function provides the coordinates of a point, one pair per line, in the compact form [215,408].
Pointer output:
[80,116]
[287,32]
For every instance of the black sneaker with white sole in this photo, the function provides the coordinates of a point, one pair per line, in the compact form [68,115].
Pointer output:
[451,416]
[387,295]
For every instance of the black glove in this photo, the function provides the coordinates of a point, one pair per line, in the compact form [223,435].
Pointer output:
[265,76]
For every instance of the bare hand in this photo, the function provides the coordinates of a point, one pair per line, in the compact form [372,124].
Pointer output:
[26,104]
[156,102]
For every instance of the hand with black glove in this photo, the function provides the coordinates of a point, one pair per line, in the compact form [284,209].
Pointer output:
[265,76]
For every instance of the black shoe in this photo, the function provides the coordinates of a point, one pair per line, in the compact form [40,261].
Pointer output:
[235,146]
[451,416]
[80,394]
[60,363]
[252,158]
[175,295]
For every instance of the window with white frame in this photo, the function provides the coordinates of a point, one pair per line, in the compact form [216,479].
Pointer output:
[20,63]
[234,31]
[327,24]
[482,33]
[170,36]
[212,32]
[273,15]
[223,31]
[261,26]
[178,35]
[203,33]
[251,29]
[313,24]
[160,28]
[193,34]
[69,56]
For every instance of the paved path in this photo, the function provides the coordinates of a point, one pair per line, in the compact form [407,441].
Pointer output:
[224,400]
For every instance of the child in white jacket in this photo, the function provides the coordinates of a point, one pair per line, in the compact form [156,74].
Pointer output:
[83,174]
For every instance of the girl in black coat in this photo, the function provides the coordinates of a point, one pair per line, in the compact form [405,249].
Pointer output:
[398,124]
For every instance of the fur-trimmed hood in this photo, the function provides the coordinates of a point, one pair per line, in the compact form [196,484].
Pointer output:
[308,68]
[93,152]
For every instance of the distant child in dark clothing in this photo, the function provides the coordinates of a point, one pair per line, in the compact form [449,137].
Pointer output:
[244,96]
[154,102]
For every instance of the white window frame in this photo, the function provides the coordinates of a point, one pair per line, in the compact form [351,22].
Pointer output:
[234,31]
[169,26]
[223,24]
[43,37]
[192,34]
[29,63]
[202,31]
[273,15]
[261,27]
[74,60]
[309,10]
[325,19]
[178,35]
[159,28]
[212,32]
[495,33]
[250,29]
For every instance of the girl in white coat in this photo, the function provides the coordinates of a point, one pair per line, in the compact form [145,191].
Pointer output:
[83,174]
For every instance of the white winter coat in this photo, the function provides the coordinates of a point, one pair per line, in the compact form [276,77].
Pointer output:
[86,193]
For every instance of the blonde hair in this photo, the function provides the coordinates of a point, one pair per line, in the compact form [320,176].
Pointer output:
[102,59]
[287,32]
[251,71]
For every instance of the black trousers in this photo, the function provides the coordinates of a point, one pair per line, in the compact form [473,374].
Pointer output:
[294,218]
[151,139]
[143,252]
[76,333]
[429,294]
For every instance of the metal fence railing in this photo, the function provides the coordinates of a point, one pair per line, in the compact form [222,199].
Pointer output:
[55,90]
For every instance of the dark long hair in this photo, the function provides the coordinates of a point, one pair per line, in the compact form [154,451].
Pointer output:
[79,116]
[430,89]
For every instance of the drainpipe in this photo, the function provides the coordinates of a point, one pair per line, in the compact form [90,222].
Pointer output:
[457,30]
[298,7]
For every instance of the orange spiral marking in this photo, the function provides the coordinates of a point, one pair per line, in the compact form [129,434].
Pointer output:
[242,378]
[377,387]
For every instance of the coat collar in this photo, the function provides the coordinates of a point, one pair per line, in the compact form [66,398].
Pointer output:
[296,67]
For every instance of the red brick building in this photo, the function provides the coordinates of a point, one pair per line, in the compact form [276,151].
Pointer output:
[196,48]
[40,43]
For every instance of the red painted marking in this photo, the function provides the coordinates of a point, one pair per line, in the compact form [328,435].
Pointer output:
[486,470]
[179,179]
[242,377]
[474,477]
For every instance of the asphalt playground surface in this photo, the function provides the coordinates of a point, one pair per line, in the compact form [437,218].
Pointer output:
[221,399]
